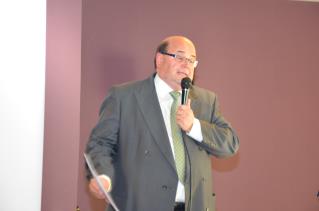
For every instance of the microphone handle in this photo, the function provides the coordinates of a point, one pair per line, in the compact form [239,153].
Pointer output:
[184,96]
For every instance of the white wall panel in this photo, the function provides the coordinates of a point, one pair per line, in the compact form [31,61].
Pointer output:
[22,84]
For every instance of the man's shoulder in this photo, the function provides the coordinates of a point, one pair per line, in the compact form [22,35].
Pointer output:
[199,91]
[133,86]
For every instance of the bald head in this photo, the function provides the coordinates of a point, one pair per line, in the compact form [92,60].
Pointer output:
[178,39]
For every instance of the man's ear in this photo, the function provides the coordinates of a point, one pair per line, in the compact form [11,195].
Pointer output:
[159,59]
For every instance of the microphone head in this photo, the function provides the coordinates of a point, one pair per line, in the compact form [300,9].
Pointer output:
[186,83]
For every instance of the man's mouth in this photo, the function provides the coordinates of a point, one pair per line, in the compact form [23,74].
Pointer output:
[182,73]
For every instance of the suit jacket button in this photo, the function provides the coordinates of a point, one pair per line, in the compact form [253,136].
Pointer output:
[164,187]
[200,148]
[146,152]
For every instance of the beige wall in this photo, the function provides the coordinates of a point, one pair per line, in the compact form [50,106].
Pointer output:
[260,58]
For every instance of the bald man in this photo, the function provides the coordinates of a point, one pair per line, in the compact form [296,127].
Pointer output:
[151,152]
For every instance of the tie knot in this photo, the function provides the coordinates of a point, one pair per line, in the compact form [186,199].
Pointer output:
[175,95]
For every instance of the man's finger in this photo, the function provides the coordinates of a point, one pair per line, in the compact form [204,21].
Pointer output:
[189,102]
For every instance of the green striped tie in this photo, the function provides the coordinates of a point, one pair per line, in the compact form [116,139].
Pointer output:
[179,149]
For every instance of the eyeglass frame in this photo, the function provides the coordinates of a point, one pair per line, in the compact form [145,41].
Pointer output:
[183,58]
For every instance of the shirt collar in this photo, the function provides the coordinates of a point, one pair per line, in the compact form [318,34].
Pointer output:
[162,88]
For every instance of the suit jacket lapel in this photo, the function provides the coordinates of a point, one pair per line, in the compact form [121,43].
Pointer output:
[151,110]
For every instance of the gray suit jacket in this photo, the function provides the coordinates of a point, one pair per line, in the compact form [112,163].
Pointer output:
[130,144]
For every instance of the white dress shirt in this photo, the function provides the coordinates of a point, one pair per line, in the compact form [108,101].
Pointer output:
[166,100]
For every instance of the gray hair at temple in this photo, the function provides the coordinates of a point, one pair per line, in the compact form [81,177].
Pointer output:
[161,48]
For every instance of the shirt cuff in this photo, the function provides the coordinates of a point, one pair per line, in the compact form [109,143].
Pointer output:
[109,180]
[196,131]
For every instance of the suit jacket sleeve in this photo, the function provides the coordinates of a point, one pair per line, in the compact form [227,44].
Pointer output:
[102,144]
[219,139]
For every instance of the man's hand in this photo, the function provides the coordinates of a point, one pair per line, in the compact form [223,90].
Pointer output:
[185,116]
[94,188]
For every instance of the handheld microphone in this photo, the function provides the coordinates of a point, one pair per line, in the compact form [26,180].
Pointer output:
[185,84]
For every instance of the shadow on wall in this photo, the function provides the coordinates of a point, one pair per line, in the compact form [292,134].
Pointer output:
[226,164]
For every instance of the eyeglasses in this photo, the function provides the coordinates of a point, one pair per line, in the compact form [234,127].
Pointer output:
[181,58]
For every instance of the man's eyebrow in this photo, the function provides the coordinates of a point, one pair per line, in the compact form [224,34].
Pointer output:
[184,53]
